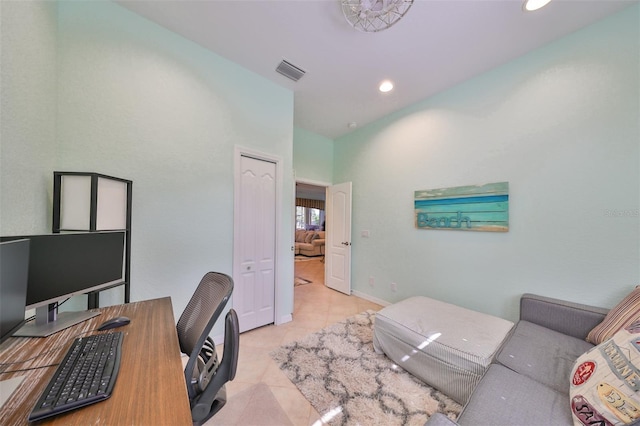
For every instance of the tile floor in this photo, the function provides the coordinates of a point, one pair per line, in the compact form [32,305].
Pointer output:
[261,394]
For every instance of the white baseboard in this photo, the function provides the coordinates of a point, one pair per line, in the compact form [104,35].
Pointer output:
[370,298]
[285,319]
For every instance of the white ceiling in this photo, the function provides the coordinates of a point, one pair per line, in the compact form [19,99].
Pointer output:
[438,44]
[312,192]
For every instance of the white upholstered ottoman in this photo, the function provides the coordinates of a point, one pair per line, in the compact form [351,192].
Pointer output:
[444,345]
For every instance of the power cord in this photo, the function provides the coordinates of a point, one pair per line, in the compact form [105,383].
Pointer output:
[55,348]
[51,308]
[29,369]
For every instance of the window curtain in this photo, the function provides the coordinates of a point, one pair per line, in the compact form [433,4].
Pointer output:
[311,204]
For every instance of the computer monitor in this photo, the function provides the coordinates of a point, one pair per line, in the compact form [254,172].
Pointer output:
[65,265]
[14,273]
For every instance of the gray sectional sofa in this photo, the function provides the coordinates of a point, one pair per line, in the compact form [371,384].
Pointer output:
[528,381]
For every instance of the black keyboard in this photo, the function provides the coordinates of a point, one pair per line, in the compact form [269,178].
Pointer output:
[85,376]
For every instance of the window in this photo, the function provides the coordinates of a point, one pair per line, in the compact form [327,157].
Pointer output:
[309,218]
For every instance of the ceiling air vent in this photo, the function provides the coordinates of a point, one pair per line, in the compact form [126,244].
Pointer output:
[290,71]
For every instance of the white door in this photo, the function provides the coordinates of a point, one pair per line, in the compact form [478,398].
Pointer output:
[254,292]
[338,238]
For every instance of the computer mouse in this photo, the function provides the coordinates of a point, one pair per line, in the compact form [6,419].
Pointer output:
[113,323]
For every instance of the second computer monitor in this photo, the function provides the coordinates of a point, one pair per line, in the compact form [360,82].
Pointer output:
[14,274]
[65,265]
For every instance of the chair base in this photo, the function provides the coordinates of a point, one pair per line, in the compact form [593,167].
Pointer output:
[218,403]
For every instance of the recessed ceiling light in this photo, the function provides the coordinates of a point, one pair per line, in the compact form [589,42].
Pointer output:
[385,86]
[531,5]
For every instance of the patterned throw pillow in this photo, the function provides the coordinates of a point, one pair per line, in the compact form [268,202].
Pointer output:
[622,315]
[605,381]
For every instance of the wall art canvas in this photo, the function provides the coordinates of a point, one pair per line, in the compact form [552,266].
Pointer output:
[464,208]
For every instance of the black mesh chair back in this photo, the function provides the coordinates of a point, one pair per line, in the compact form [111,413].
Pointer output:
[204,374]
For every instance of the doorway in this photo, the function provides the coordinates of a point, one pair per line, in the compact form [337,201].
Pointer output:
[309,233]
[336,228]
[338,247]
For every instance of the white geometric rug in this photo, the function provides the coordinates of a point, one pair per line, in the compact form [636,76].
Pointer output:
[337,370]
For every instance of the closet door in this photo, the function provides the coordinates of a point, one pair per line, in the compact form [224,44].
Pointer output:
[254,293]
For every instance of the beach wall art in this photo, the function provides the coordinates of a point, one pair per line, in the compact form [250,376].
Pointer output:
[464,208]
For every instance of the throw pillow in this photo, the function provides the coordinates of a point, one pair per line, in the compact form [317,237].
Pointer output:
[300,236]
[309,236]
[605,381]
[623,314]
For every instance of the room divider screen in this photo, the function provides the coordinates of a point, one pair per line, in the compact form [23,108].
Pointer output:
[94,202]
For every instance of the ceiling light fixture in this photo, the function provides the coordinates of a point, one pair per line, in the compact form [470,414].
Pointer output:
[531,5]
[385,86]
[374,15]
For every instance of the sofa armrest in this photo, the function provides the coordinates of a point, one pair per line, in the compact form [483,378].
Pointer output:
[439,419]
[573,319]
[318,242]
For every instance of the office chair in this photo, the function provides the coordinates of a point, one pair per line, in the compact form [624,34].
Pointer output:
[204,374]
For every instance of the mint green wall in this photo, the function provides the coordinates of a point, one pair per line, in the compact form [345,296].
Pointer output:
[561,126]
[27,116]
[135,100]
[312,156]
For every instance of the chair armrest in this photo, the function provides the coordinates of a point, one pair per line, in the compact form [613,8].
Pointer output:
[439,419]
[573,319]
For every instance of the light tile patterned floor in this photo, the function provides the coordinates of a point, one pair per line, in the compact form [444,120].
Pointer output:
[263,394]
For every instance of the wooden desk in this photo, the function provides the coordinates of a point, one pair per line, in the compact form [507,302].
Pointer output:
[150,389]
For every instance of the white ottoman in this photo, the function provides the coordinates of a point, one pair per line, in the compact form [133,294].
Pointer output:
[444,345]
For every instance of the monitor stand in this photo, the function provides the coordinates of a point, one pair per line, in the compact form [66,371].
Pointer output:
[48,321]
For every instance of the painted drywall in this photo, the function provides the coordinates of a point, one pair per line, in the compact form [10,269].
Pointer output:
[561,126]
[312,156]
[134,100]
[139,102]
[27,116]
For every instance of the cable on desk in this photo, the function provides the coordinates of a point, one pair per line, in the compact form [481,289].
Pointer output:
[29,369]
[55,348]
[54,306]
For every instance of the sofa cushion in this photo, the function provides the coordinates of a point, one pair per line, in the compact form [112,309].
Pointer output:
[543,355]
[300,235]
[309,236]
[503,397]
[623,314]
[605,381]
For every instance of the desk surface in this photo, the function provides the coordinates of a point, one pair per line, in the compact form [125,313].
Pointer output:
[150,389]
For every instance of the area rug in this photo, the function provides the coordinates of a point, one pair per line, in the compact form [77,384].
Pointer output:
[300,281]
[337,370]
[301,258]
